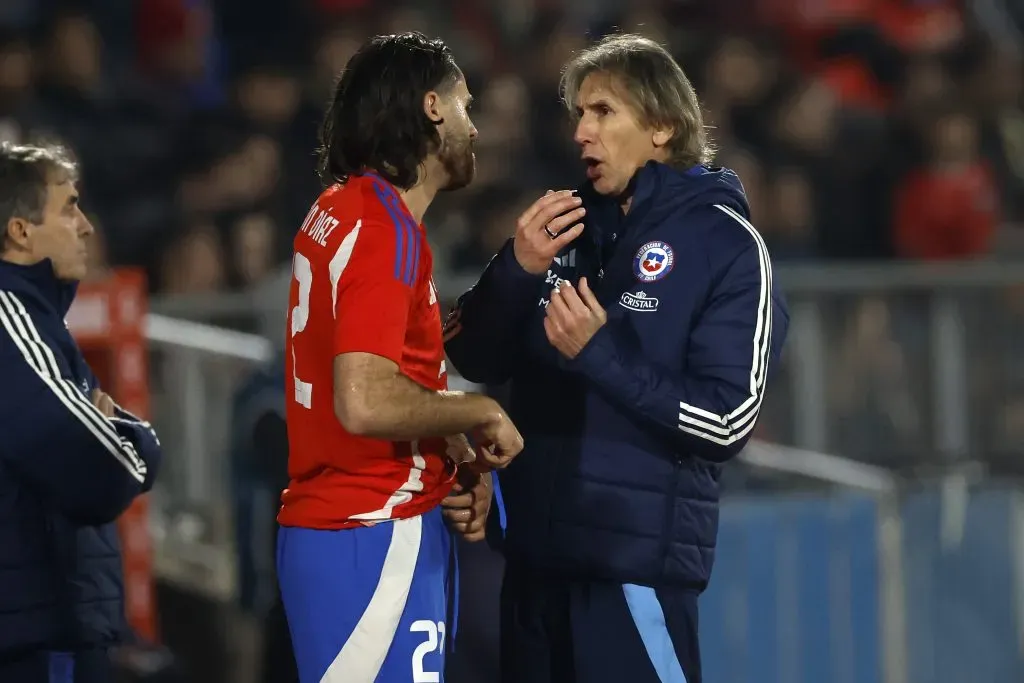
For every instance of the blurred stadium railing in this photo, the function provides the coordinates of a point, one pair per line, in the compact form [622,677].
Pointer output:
[900,562]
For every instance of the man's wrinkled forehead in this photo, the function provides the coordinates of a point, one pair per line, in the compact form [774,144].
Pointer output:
[602,87]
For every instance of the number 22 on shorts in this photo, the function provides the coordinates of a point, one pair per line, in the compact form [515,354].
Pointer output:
[434,642]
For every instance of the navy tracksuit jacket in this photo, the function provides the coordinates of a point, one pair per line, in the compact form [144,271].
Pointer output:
[66,473]
[624,444]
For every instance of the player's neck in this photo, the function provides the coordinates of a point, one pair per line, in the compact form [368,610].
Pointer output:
[418,198]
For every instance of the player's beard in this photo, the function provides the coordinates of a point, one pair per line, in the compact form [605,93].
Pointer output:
[456,157]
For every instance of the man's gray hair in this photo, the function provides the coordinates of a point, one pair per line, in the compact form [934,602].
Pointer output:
[25,174]
[653,83]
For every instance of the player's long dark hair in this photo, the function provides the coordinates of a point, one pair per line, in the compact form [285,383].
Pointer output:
[375,119]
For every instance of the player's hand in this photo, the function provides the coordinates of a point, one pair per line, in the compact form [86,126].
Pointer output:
[459,450]
[499,441]
[573,318]
[556,213]
[466,507]
[103,403]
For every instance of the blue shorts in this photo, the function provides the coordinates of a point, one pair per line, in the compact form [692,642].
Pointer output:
[368,604]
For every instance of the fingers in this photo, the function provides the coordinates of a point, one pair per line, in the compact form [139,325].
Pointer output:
[461,516]
[568,303]
[551,331]
[497,461]
[549,198]
[466,512]
[557,215]
[502,442]
[560,223]
[471,531]
[103,403]
[510,442]
[566,236]
[557,306]
[458,449]
[459,502]
[505,450]
[477,467]
[588,297]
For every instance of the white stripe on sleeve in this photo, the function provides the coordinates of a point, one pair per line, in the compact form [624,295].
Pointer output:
[727,429]
[14,318]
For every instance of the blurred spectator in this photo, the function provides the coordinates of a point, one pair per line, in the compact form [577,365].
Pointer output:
[870,400]
[215,119]
[16,85]
[253,247]
[177,50]
[997,86]
[195,264]
[789,229]
[948,208]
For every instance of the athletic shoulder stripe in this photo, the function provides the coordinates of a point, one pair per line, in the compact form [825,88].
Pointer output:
[405,236]
[734,426]
[18,324]
[417,243]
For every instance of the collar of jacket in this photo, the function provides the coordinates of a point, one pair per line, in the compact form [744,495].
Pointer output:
[645,187]
[38,280]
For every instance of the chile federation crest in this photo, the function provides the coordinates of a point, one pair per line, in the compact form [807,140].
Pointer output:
[653,261]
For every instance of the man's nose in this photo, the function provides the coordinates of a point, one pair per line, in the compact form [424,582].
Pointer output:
[85,228]
[584,132]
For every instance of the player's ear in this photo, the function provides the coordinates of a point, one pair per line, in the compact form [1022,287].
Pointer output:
[432,107]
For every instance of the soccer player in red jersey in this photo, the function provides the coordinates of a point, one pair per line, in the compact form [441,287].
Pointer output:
[364,557]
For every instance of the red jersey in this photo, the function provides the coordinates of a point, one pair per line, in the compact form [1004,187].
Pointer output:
[361,282]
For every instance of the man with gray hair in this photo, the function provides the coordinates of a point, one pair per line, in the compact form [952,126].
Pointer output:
[71,460]
[637,356]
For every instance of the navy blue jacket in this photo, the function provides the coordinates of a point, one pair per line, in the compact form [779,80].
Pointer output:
[66,473]
[624,444]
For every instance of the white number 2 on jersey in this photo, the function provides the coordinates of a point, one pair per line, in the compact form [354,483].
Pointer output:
[302,271]
[435,641]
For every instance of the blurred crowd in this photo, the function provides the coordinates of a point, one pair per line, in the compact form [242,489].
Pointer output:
[862,129]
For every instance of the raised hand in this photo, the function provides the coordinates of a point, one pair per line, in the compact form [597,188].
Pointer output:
[545,228]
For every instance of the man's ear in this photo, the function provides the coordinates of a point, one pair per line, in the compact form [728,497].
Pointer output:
[432,107]
[662,136]
[16,234]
